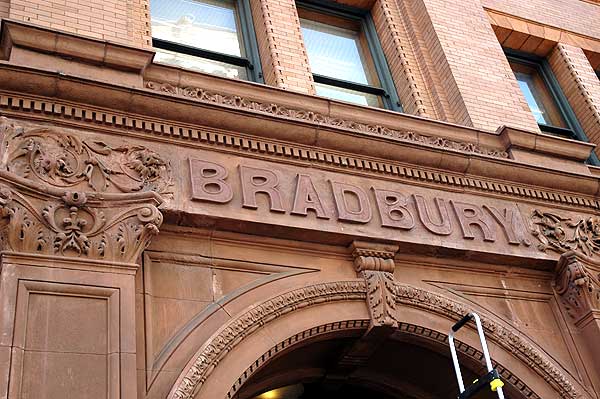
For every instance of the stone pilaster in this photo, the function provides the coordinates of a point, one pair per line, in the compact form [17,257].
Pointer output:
[75,215]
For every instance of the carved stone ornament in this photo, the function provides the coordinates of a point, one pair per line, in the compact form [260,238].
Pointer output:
[64,160]
[375,263]
[231,334]
[48,221]
[577,281]
[561,234]
[238,102]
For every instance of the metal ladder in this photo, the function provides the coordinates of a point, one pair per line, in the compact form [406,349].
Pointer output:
[492,378]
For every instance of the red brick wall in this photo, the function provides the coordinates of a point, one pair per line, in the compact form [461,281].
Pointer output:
[473,68]
[4,8]
[400,57]
[581,86]
[573,15]
[444,56]
[283,56]
[426,48]
[122,21]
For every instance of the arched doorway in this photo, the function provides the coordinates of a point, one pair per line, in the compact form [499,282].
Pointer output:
[227,364]
[403,366]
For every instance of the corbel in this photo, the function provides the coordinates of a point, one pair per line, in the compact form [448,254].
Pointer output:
[375,263]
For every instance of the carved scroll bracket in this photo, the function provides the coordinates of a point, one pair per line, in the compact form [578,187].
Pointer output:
[39,219]
[577,282]
[375,263]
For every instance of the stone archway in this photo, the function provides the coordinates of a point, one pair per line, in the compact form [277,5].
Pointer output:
[522,363]
[285,364]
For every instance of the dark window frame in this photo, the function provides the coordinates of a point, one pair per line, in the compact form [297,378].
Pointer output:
[387,89]
[252,60]
[541,65]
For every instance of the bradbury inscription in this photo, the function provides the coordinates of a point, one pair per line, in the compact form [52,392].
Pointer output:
[320,196]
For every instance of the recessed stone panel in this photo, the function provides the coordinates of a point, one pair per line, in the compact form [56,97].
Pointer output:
[61,323]
[51,375]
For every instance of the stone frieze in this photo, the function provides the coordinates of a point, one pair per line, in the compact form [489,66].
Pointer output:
[73,162]
[246,145]
[284,195]
[563,233]
[206,96]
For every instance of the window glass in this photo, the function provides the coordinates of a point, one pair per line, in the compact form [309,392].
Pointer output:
[200,64]
[334,51]
[206,24]
[539,98]
[353,96]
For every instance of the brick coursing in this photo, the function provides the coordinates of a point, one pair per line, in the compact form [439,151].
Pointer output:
[114,20]
[444,56]
[283,56]
[404,69]
[476,71]
[580,85]
[572,15]
[4,5]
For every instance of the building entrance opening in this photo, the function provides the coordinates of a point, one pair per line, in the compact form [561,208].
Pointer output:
[351,367]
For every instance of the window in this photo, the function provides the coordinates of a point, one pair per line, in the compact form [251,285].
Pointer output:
[545,98]
[543,95]
[345,56]
[212,36]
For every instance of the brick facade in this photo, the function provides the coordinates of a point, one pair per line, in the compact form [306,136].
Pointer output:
[444,57]
[4,4]
[284,59]
[581,86]
[113,20]
[173,234]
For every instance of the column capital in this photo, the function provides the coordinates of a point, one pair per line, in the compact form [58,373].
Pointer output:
[63,194]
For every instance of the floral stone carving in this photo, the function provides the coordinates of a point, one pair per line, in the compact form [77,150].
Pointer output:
[374,262]
[75,224]
[561,234]
[65,160]
[577,282]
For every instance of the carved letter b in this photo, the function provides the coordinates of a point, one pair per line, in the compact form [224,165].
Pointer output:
[208,182]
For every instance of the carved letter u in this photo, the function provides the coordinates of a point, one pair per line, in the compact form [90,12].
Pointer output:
[444,227]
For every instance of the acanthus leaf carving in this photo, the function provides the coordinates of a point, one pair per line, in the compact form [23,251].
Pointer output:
[381,298]
[76,225]
[577,282]
[374,262]
[64,160]
[561,234]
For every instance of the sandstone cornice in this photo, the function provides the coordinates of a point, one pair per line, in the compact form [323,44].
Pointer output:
[360,138]
[19,34]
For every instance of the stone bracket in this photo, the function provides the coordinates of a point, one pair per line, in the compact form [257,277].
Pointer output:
[374,262]
[577,282]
